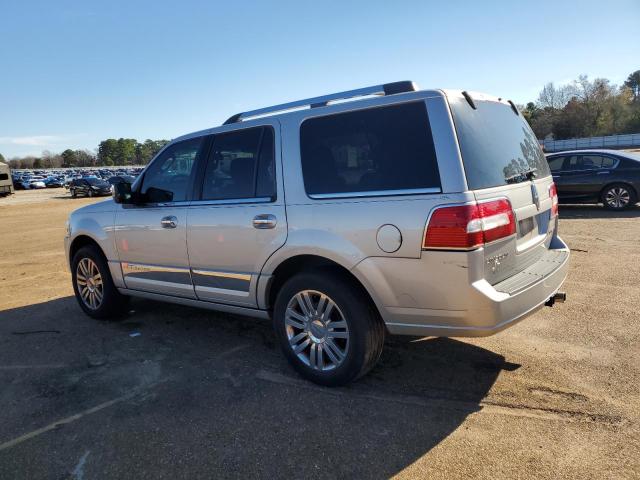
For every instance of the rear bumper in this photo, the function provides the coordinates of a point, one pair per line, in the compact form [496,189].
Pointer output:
[474,309]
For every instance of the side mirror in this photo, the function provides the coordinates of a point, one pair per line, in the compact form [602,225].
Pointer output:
[122,193]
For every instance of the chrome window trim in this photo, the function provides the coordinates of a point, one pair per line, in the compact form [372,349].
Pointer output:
[594,169]
[184,203]
[375,193]
[232,201]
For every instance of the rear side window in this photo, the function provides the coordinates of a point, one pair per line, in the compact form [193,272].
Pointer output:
[498,147]
[241,165]
[374,150]
[591,161]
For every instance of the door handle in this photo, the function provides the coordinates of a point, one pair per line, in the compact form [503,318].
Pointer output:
[169,222]
[264,221]
[603,173]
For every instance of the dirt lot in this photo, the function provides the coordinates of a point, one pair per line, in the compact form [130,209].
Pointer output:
[198,394]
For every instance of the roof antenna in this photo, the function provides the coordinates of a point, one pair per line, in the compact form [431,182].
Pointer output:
[470,101]
[513,107]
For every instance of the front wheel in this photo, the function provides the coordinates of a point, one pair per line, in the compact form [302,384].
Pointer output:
[327,328]
[95,292]
[618,197]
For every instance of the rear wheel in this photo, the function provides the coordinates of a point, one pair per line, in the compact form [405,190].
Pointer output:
[618,197]
[327,328]
[92,283]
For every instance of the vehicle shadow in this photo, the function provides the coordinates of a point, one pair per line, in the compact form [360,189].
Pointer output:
[576,211]
[217,386]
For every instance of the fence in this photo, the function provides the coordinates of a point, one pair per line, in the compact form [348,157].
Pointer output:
[611,141]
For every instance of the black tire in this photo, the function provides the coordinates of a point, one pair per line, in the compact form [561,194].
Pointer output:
[617,188]
[113,303]
[365,328]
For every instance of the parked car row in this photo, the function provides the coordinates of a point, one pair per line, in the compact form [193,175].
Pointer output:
[87,182]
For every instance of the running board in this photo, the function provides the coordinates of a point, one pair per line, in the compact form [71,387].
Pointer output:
[190,302]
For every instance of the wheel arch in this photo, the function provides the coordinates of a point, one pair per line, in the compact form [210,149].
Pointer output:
[311,262]
[80,241]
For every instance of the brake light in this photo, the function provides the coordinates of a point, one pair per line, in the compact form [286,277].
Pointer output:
[553,194]
[465,227]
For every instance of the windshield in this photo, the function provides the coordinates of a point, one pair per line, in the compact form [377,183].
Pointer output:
[498,147]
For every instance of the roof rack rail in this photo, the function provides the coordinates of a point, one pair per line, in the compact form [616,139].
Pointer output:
[322,101]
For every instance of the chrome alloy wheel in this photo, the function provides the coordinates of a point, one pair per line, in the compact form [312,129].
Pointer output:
[617,197]
[317,330]
[89,283]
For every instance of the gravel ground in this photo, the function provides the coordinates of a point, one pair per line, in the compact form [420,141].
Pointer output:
[199,394]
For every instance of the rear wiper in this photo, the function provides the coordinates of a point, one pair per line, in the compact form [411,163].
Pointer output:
[522,176]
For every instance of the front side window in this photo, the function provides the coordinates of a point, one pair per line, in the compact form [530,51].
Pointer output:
[241,165]
[378,149]
[168,178]
[572,163]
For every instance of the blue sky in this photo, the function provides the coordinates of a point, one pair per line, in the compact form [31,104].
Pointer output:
[76,72]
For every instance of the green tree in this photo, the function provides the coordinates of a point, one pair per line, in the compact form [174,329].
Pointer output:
[69,158]
[147,150]
[2,158]
[37,163]
[633,83]
[107,151]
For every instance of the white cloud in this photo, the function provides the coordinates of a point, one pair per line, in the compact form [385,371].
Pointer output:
[24,145]
[33,140]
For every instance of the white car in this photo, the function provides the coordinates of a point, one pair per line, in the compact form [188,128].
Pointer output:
[35,183]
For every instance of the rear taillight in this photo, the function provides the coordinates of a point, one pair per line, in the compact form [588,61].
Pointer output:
[464,227]
[553,194]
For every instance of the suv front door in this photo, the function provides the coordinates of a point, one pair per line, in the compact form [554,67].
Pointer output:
[239,217]
[151,235]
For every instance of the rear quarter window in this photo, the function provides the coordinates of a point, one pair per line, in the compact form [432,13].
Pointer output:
[382,149]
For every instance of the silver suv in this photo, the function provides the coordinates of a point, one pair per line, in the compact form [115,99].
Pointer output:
[343,218]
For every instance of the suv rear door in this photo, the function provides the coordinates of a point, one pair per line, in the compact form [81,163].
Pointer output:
[238,218]
[503,159]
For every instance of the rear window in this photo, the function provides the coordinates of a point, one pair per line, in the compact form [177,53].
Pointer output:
[381,149]
[498,147]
